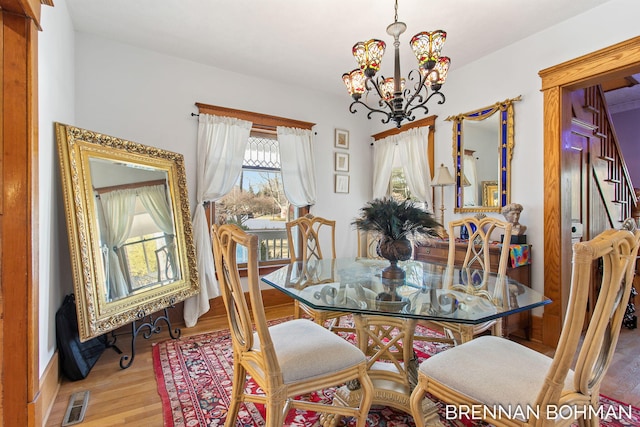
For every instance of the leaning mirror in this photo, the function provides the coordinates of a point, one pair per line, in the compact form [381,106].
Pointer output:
[483,142]
[129,225]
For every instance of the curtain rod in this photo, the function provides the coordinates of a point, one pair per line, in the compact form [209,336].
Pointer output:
[257,126]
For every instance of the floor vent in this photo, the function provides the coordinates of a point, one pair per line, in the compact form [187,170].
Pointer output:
[76,409]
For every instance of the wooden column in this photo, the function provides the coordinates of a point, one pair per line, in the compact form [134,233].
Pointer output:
[18,212]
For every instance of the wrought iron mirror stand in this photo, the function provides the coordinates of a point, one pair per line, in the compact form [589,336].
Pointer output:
[130,233]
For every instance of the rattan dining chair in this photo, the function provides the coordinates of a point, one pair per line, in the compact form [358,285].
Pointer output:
[305,235]
[476,268]
[286,360]
[524,387]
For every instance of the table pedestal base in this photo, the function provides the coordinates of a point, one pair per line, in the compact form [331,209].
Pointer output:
[393,368]
[396,396]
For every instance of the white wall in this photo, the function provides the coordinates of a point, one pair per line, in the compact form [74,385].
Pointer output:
[56,103]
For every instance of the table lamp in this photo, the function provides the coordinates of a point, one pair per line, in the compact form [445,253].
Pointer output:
[442,179]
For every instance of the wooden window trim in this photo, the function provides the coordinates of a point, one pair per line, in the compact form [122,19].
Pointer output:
[260,121]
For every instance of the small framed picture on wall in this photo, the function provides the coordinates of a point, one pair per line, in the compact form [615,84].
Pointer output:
[342,183]
[341,162]
[342,138]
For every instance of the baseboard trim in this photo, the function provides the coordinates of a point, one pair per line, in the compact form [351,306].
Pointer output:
[270,298]
[49,387]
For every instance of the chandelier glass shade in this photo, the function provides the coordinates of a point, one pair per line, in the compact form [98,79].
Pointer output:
[396,101]
[369,55]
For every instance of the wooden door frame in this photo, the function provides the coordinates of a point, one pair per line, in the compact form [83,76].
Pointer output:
[558,82]
[19,366]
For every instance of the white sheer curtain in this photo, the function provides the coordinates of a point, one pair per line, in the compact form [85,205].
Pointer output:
[297,165]
[383,151]
[412,149]
[154,199]
[470,172]
[222,142]
[118,208]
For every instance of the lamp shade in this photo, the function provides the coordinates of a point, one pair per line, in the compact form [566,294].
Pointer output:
[388,88]
[427,46]
[369,55]
[355,82]
[443,177]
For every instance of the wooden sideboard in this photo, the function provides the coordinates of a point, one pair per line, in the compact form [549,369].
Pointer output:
[438,251]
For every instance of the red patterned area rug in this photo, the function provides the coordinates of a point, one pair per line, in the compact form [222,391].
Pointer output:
[194,376]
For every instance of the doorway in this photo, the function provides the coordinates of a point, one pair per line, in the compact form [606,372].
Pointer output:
[558,82]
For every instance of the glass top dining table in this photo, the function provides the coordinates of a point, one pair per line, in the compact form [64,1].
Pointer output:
[386,312]
[429,291]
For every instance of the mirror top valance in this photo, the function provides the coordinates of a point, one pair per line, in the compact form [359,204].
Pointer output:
[483,143]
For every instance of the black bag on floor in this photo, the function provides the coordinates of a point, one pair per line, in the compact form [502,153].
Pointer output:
[76,358]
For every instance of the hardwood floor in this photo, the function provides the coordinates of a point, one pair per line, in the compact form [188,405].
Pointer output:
[622,380]
[130,397]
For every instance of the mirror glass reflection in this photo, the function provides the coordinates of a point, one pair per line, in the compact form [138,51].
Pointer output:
[480,160]
[483,143]
[136,227]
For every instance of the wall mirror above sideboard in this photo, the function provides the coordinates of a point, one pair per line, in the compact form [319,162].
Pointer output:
[129,224]
[483,142]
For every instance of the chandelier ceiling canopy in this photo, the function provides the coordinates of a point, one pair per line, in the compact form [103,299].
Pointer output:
[396,101]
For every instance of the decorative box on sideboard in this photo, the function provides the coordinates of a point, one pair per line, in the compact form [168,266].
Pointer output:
[437,250]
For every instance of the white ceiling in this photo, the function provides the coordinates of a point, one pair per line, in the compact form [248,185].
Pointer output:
[624,99]
[308,42]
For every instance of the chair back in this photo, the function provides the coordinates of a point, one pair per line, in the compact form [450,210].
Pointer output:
[226,240]
[476,266]
[477,253]
[613,254]
[311,230]
[367,245]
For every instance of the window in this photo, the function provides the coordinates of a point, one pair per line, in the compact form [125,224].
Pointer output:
[257,201]
[398,188]
[147,253]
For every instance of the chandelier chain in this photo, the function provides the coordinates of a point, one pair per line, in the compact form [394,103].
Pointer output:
[396,10]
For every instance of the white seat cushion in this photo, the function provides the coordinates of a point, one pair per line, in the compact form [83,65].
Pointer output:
[493,371]
[306,350]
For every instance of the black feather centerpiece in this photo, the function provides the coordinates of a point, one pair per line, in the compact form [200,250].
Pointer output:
[396,224]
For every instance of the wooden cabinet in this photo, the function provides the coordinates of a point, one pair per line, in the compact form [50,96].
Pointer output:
[438,251]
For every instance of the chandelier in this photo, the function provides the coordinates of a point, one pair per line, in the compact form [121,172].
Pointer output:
[395,101]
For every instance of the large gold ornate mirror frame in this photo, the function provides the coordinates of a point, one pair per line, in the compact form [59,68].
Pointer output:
[129,224]
[483,142]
